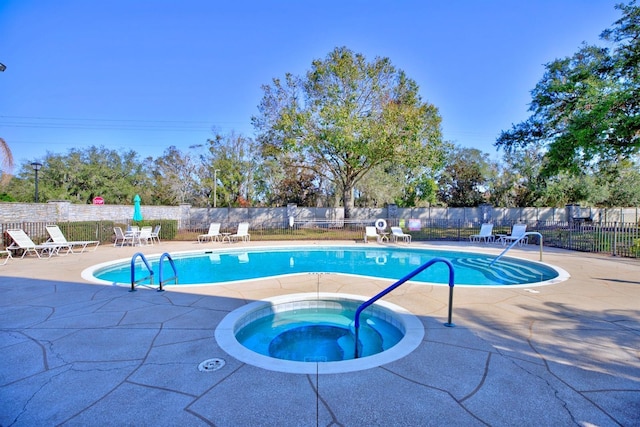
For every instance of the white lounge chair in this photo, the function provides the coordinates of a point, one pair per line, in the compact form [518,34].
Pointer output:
[122,237]
[371,231]
[242,233]
[517,233]
[24,242]
[144,236]
[397,233]
[485,234]
[212,235]
[57,237]
[8,257]
[155,234]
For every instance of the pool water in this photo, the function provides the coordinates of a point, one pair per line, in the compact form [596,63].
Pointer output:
[318,334]
[210,267]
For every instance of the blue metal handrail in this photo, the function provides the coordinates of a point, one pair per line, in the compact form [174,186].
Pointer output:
[400,282]
[173,266]
[133,270]
[528,233]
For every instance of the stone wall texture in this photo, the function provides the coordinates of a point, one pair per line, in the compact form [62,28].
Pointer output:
[188,216]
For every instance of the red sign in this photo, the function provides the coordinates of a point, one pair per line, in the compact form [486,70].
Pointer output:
[98,201]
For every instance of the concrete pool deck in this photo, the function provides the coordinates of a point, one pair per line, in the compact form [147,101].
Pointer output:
[79,353]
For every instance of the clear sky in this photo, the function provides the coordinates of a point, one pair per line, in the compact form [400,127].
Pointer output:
[148,74]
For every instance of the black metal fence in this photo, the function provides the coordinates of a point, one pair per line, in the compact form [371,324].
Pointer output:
[617,239]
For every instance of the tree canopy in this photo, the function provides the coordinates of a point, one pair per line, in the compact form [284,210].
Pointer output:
[346,117]
[464,180]
[586,108]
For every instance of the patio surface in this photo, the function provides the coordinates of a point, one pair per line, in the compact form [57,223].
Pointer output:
[76,353]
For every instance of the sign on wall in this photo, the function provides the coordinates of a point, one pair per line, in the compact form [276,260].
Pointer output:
[414,225]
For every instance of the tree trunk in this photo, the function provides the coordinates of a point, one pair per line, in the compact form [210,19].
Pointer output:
[347,199]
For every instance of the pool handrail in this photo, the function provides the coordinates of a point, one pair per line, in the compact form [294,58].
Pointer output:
[133,270]
[528,233]
[161,279]
[400,282]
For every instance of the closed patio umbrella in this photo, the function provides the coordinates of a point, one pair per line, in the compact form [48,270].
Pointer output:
[137,212]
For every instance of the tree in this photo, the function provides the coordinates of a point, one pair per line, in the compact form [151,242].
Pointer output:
[519,183]
[175,176]
[346,117]
[234,156]
[586,108]
[298,185]
[616,184]
[81,175]
[464,183]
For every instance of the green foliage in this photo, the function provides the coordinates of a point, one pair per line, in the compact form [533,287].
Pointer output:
[518,183]
[87,230]
[464,180]
[81,175]
[234,157]
[175,177]
[346,117]
[585,110]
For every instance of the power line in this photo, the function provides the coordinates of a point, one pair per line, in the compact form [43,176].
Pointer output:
[35,122]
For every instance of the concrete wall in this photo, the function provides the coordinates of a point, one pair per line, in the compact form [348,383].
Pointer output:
[187,216]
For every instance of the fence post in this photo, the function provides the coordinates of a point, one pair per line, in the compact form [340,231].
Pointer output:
[615,238]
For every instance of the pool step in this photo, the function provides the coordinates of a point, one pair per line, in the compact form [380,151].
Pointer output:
[503,271]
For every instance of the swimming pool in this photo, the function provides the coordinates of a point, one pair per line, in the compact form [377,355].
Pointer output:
[231,265]
[231,330]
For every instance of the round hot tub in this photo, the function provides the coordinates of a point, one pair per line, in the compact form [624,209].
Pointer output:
[314,333]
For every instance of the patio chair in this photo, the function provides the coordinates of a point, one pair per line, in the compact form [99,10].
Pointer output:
[144,236]
[155,234]
[23,242]
[371,231]
[242,233]
[122,237]
[8,255]
[397,233]
[212,235]
[485,234]
[517,234]
[57,237]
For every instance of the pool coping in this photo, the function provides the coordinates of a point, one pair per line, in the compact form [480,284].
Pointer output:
[225,336]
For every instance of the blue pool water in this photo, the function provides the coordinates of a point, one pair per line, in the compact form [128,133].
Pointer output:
[318,334]
[219,266]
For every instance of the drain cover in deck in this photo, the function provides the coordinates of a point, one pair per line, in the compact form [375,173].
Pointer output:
[211,365]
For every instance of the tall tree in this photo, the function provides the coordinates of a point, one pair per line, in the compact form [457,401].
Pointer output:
[346,117]
[586,108]
[175,176]
[464,181]
[520,183]
[234,156]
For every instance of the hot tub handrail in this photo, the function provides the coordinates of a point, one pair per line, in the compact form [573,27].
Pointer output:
[528,233]
[400,282]
[133,270]
[173,266]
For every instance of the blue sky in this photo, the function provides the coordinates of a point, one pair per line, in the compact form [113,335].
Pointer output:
[146,75]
